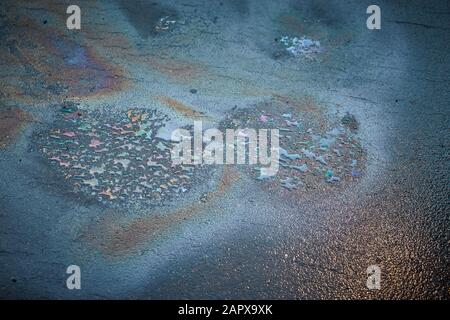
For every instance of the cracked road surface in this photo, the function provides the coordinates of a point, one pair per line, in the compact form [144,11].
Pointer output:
[85,122]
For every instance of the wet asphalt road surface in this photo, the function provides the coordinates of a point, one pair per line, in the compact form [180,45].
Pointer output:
[228,235]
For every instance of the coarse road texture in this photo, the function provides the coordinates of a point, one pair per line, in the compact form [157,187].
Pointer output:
[228,235]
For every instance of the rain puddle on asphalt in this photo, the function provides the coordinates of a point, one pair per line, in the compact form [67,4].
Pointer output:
[316,153]
[116,157]
[124,157]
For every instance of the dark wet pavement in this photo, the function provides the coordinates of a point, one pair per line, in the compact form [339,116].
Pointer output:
[379,98]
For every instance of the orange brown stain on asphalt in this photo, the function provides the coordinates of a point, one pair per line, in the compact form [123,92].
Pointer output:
[113,236]
[56,59]
[94,72]
[307,106]
[54,7]
[176,69]
[181,108]
[114,42]
[12,121]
